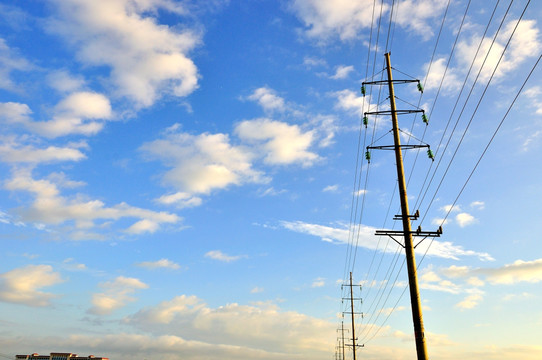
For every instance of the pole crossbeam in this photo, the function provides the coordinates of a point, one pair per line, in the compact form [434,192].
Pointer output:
[391,112]
[386,82]
[393,147]
[417,232]
[411,217]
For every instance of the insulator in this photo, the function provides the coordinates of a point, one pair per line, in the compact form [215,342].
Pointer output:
[363,90]
[365,121]
[425,119]
[430,155]
[420,87]
[368,156]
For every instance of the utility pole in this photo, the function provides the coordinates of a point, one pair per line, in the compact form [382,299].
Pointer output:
[353,313]
[353,327]
[342,334]
[341,340]
[405,216]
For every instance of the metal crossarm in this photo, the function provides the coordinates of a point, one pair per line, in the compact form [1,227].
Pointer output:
[390,112]
[393,147]
[386,82]
[418,232]
[411,217]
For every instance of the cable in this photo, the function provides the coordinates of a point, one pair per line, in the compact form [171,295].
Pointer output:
[476,108]
[487,147]
[420,198]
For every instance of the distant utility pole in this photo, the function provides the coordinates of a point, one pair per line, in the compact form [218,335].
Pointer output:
[353,313]
[405,216]
[341,340]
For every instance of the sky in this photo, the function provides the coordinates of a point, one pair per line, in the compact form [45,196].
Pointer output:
[187,179]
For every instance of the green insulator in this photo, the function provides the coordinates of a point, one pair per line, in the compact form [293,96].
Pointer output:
[430,155]
[368,156]
[420,87]
[363,90]
[425,119]
[365,121]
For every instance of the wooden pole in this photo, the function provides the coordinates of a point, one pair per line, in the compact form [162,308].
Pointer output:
[417,317]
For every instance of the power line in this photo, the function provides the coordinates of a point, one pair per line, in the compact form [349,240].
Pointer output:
[488,145]
[477,105]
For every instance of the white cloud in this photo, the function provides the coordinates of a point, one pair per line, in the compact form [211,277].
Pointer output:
[71,265]
[11,151]
[263,326]
[50,207]
[256,290]
[318,282]
[443,286]
[348,100]
[143,226]
[280,142]
[343,18]
[531,138]
[522,296]
[268,99]
[450,208]
[415,15]
[451,82]
[534,94]
[325,126]
[64,82]
[200,164]
[447,249]
[360,192]
[180,199]
[61,180]
[10,61]
[464,219]
[469,302]
[367,239]
[342,72]
[21,286]
[311,62]
[523,45]
[475,281]
[146,58]
[162,263]
[440,221]
[508,274]
[14,113]
[220,256]
[518,271]
[271,191]
[116,295]
[327,233]
[331,188]
[479,205]
[79,113]
[346,19]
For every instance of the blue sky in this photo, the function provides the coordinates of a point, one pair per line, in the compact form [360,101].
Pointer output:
[180,179]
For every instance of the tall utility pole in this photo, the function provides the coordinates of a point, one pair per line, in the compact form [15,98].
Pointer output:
[405,216]
[417,316]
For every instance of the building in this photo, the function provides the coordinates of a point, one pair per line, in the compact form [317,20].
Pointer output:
[58,356]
